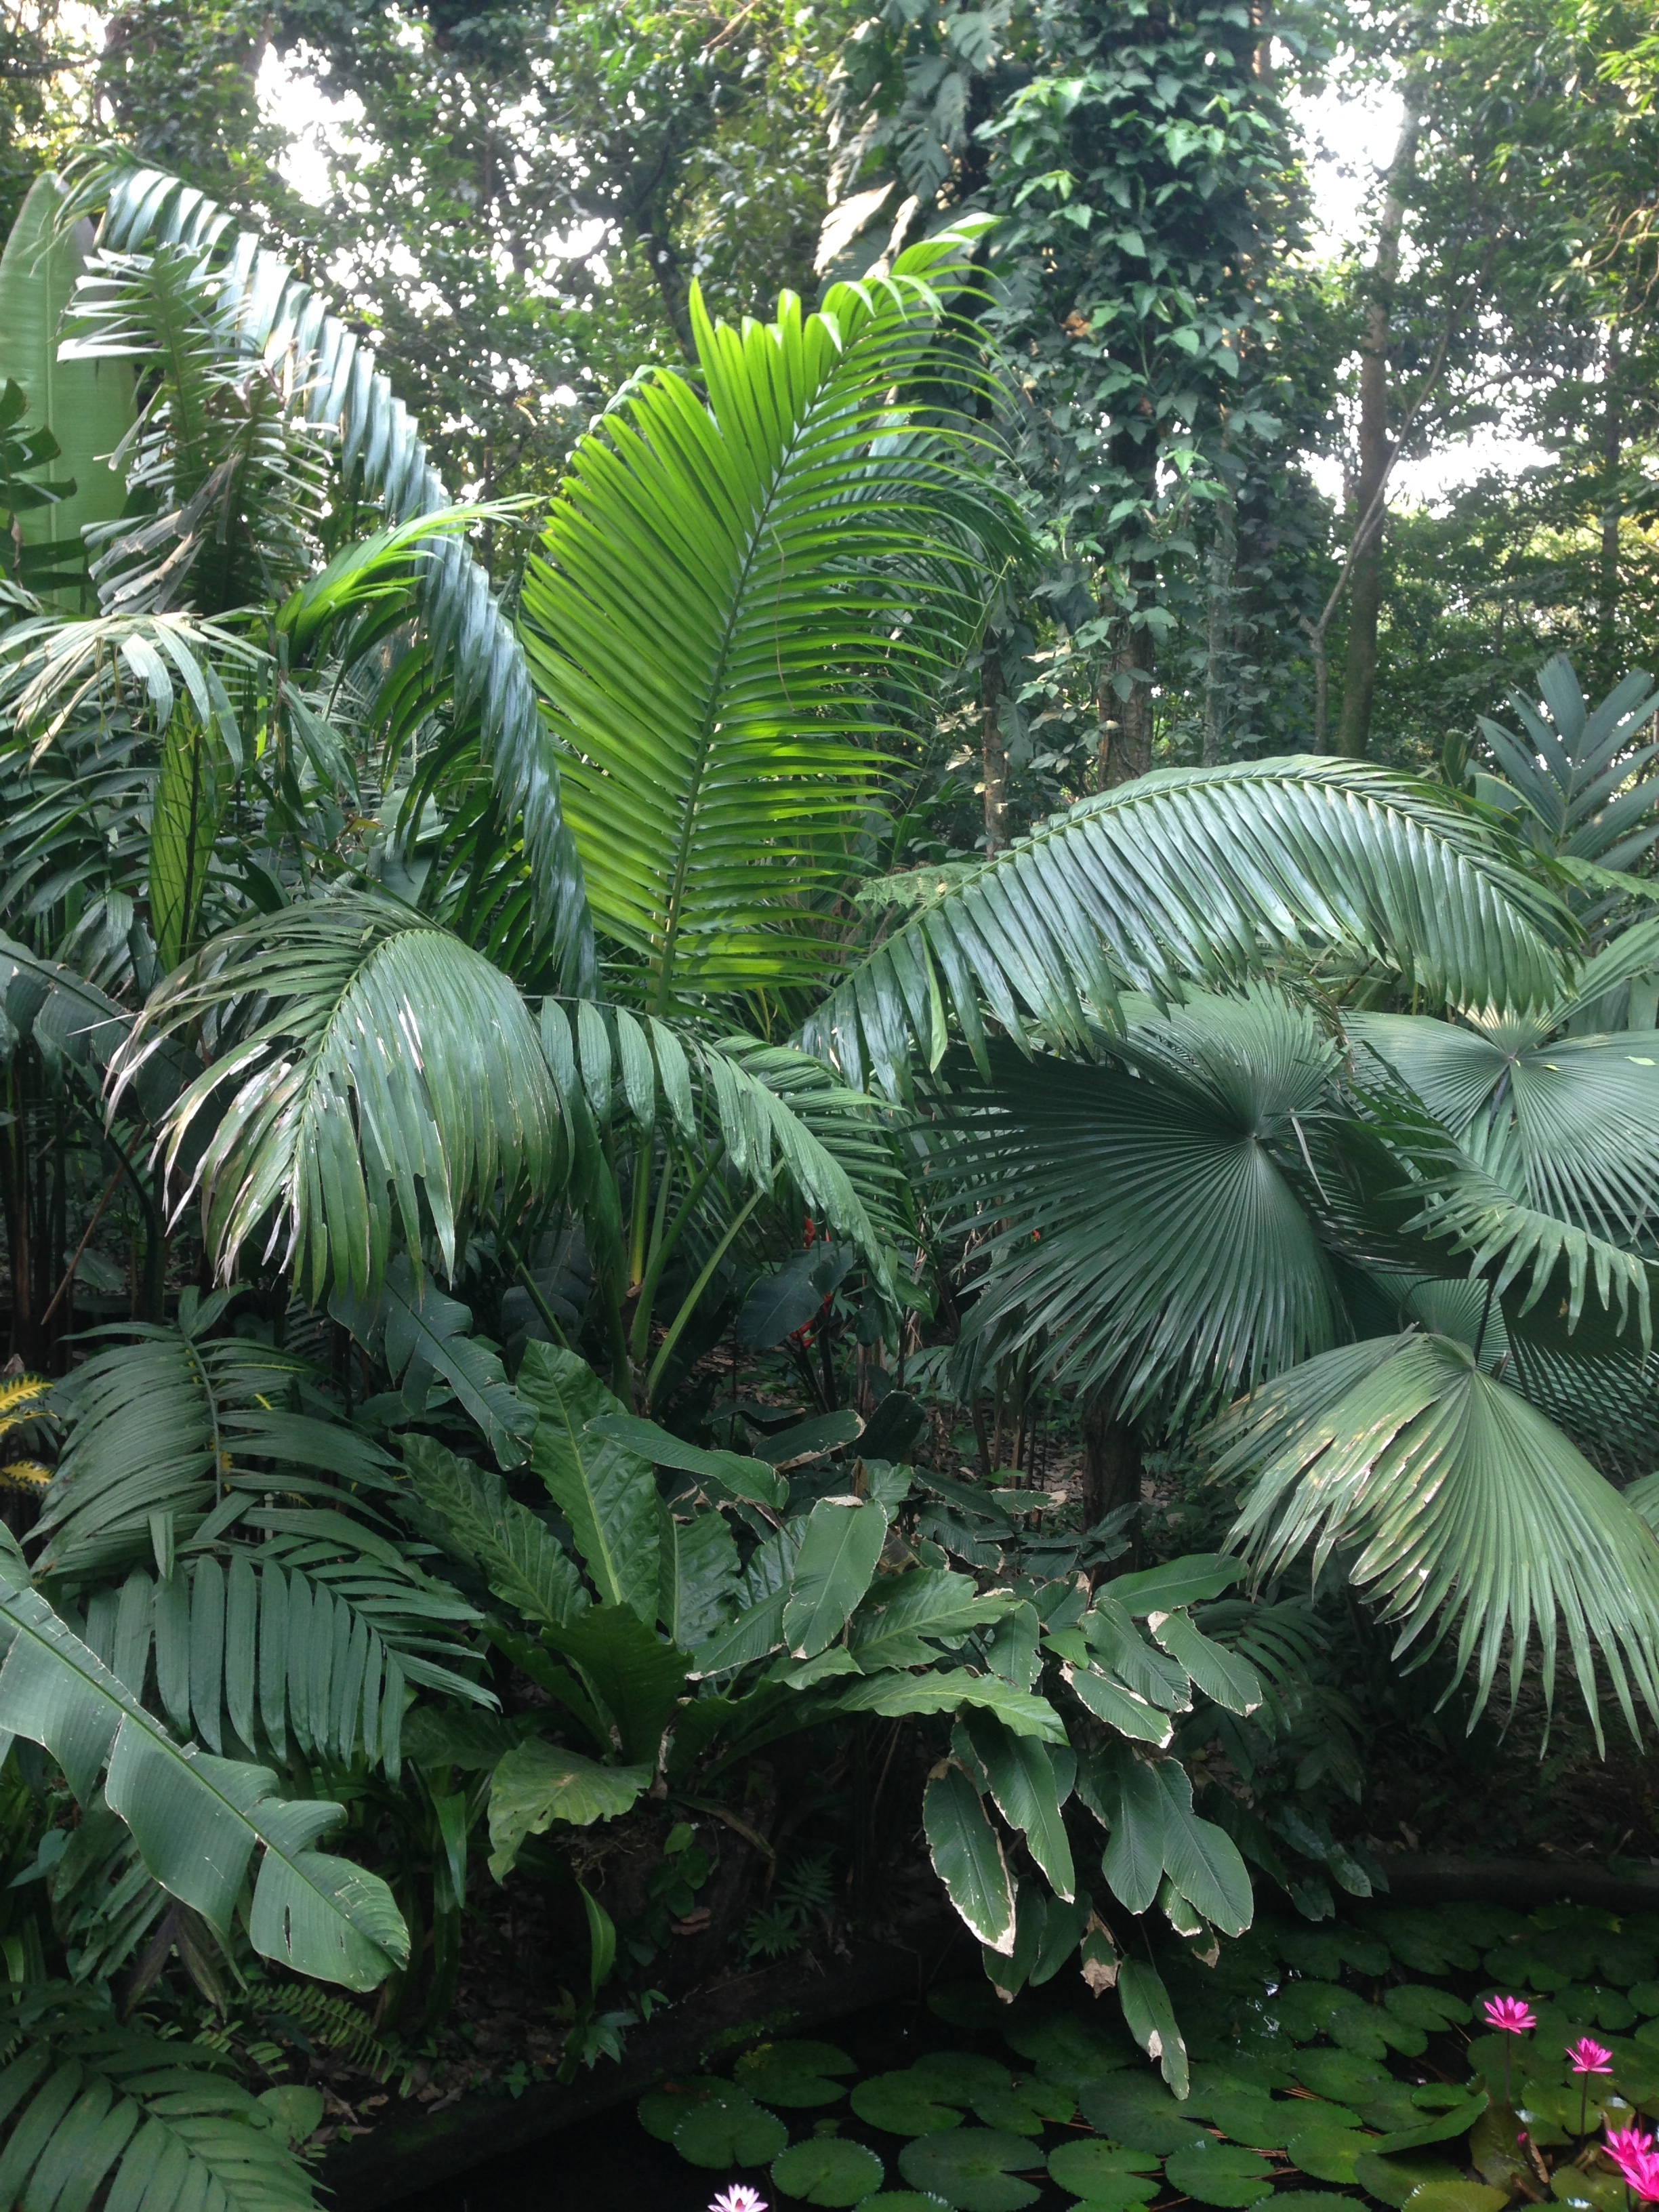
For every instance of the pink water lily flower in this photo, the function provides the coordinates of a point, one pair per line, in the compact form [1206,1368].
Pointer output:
[1632,2153]
[1627,2142]
[1513,2015]
[739,2198]
[1589,2057]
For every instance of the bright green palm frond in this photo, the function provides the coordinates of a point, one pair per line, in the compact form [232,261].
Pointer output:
[1457,1506]
[1571,1124]
[197,1820]
[364,1061]
[173,1425]
[1142,1226]
[733,594]
[87,2103]
[1581,772]
[1195,875]
[273,315]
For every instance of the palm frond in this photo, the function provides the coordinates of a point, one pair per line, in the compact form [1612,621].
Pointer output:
[86,2104]
[373,1077]
[1581,772]
[197,1820]
[1140,1228]
[734,592]
[1458,1509]
[1193,875]
[172,1426]
[274,317]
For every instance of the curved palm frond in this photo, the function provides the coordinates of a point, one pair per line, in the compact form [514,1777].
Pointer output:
[163,1428]
[1461,1508]
[1195,876]
[270,315]
[88,2105]
[1581,771]
[734,592]
[1140,1228]
[376,1060]
[1571,1124]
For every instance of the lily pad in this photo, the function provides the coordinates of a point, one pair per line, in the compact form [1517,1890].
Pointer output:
[1391,2180]
[1434,2127]
[1325,1952]
[1427,2008]
[1594,2002]
[906,2103]
[1140,2112]
[730,2129]
[1221,2175]
[1067,2050]
[1644,1996]
[1026,2108]
[1426,1941]
[957,2077]
[1387,2105]
[903,2200]
[661,2110]
[974,2169]
[827,2170]
[797,2075]
[1104,2173]
[1455,2197]
[1247,2117]
[1127,2192]
[1371,2032]
[1588,2193]
[1343,2074]
[1328,2154]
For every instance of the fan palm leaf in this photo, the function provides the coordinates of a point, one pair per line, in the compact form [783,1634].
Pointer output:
[1195,876]
[1461,1509]
[733,590]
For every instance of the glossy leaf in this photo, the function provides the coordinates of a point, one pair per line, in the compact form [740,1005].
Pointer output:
[539,1783]
[967,1856]
[605,1490]
[837,1557]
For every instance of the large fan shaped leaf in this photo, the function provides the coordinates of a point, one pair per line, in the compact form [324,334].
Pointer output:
[196,1818]
[272,313]
[732,589]
[1462,1507]
[375,1061]
[1140,1227]
[1194,875]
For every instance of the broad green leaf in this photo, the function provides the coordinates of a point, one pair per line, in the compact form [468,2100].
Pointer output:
[837,1557]
[630,1670]
[522,1561]
[1220,2175]
[1127,1790]
[1114,1703]
[827,2171]
[910,2101]
[1103,2172]
[422,1333]
[1021,1774]
[540,1783]
[196,773]
[799,2076]
[743,1477]
[1220,1673]
[605,1490]
[726,2127]
[196,1818]
[941,1692]
[1177,1582]
[1152,2019]
[967,1856]
[973,2169]
[1202,1859]
[698,1576]
[902,1617]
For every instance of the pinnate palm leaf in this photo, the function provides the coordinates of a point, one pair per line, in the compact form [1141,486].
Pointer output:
[1461,1508]
[732,589]
[1193,875]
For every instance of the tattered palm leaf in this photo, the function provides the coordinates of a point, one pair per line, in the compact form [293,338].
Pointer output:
[1459,1510]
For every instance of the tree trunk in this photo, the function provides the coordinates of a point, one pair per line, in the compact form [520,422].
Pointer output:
[1613,428]
[1365,588]
[1111,1462]
[1218,655]
[993,749]
[1126,708]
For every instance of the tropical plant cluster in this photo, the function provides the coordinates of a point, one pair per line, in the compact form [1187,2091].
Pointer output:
[513,1186]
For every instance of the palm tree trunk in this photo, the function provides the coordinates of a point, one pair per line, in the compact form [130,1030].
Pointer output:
[1613,428]
[1366,589]
[1111,1462]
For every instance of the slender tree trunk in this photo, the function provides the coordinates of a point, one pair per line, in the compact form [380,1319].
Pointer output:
[1612,430]
[1126,708]
[1365,588]
[1111,1462]
[1218,650]
[993,751]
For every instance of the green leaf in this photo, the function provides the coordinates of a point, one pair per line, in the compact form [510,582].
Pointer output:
[1222,1675]
[633,1673]
[944,1692]
[197,770]
[196,1818]
[967,1856]
[1202,1859]
[914,2101]
[1152,2021]
[1330,2154]
[837,1557]
[1177,1582]
[522,1562]
[973,2169]
[539,1783]
[725,2128]
[1104,2173]
[1459,2196]
[1220,2175]
[1442,2127]
[1119,1706]
[903,1617]
[606,1492]
[1021,1774]
[743,1477]
[420,1333]
[1392,2180]
[827,2171]
[1126,1793]
[698,1575]
[799,2075]
[1137,2112]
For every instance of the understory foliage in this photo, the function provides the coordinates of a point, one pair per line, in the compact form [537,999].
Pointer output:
[447,1049]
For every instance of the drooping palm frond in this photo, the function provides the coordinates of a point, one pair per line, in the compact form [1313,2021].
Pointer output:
[173,1425]
[1195,876]
[197,1820]
[1140,1229]
[734,592]
[1570,1124]
[270,316]
[88,2105]
[1581,772]
[1459,1509]
[372,1078]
